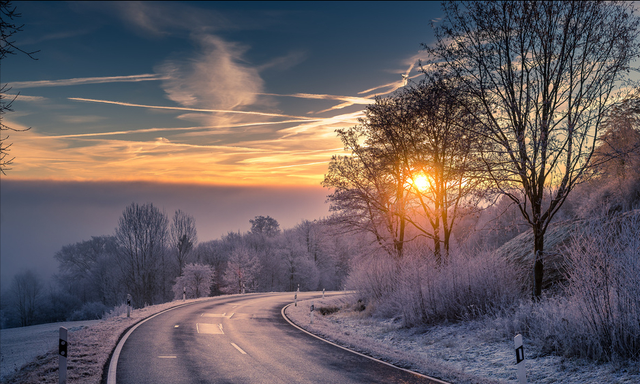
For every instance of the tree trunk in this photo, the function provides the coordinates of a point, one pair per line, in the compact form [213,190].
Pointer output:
[538,265]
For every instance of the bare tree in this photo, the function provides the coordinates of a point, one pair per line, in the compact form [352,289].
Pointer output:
[141,235]
[26,290]
[369,193]
[8,28]
[545,74]
[440,152]
[184,236]
[86,269]
[411,163]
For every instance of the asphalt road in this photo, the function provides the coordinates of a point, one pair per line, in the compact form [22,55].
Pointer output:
[241,339]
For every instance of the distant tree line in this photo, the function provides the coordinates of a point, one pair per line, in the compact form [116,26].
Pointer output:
[157,259]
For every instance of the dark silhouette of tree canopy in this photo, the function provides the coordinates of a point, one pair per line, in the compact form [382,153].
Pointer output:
[545,74]
[267,226]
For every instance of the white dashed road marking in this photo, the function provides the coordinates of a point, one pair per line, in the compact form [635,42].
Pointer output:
[239,349]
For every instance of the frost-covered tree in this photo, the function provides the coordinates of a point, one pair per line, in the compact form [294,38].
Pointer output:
[26,291]
[184,237]
[141,237]
[195,281]
[545,73]
[242,271]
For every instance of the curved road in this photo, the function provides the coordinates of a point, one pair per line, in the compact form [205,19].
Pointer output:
[241,339]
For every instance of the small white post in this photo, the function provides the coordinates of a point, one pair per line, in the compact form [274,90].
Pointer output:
[311,309]
[323,293]
[522,373]
[62,356]
[128,305]
[184,293]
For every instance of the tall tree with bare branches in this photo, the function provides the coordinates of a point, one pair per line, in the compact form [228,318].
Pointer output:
[545,73]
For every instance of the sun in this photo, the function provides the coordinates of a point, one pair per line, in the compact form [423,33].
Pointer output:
[421,182]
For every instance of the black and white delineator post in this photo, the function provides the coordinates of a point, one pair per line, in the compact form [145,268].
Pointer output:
[62,356]
[522,373]
[295,297]
[128,305]
[323,293]
[311,309]
[184,293]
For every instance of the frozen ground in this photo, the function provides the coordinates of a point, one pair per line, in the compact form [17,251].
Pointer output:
[461,353]
[89,348]
[474,352]
[19,346]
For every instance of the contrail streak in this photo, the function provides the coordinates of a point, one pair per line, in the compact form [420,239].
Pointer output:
[190,109]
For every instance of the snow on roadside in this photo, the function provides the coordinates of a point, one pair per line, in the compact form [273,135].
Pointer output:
[472,352]
[89,350]
[21,345]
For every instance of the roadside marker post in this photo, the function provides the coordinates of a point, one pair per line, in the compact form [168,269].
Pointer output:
[323,293]
[62,356]
[128,305]
[311,309]
[184,293]
[522,373]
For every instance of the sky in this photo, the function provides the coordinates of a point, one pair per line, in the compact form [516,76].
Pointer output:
[225,110]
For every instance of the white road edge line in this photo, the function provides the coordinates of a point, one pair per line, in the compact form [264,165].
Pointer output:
[220,325]
[239,349]
[168,357]
[437,381]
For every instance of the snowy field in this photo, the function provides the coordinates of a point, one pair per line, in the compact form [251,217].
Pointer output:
[19,346]
[474,352]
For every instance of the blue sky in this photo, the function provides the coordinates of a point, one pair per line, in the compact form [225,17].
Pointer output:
[219,93]
[153,101]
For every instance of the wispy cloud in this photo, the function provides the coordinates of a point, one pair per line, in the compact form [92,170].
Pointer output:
[190,109]
[85,80]
[215,77]
[22,97]
[347,101]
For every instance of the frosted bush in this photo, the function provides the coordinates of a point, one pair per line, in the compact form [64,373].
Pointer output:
[466,287]
[599,316]
[117,311]
[89,311]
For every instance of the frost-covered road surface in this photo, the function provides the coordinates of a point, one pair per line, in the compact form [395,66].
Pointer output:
[241,339]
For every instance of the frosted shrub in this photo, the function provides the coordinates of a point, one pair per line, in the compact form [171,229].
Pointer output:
[466,287]
[604,287]
[374,277]
[117,311]
[599,316]
[89,311]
